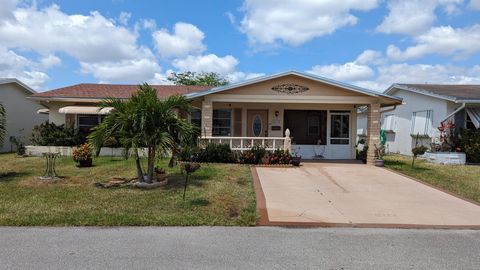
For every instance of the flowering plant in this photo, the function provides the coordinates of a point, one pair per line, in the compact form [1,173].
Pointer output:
[83,152]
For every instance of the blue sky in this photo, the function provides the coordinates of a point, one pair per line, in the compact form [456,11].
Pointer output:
[370,43]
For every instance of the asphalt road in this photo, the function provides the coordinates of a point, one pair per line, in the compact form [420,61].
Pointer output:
[237,248]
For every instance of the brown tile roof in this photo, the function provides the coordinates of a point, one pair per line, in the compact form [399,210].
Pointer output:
[99,91]
[457,91]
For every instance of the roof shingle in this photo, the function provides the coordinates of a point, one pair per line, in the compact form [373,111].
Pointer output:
[457,91]
[123,91]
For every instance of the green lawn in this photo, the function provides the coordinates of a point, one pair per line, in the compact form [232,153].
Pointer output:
[219,194]
[461,180]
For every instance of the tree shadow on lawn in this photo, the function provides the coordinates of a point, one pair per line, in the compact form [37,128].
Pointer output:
[10,176]
[402,165]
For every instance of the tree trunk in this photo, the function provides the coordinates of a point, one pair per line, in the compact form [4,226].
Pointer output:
[151,164]
[139,166]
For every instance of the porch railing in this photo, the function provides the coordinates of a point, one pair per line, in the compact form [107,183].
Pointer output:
[246,143]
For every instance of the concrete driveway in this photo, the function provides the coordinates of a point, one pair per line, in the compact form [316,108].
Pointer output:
[356,195]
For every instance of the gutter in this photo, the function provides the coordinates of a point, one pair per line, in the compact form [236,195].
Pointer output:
[454,112]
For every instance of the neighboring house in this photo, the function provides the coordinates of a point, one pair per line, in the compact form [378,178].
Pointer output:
[319,113]
[424,107]
[22,113]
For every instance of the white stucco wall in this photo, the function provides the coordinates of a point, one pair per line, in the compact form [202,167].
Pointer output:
[401,141]
[21,113]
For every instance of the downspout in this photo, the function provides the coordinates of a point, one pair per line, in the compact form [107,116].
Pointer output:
[454,112]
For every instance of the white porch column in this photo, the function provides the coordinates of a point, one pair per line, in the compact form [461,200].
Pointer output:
[207,115]
[287,143]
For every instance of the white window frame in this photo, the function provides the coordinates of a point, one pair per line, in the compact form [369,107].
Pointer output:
[389,122]
[428,126]
[230,119]
[331,128]
[77,119]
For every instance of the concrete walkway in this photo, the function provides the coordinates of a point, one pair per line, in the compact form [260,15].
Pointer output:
[358,195]
[237,248]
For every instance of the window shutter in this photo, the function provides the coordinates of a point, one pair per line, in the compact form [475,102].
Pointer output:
[237,122]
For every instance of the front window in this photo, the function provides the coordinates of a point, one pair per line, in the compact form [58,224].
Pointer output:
[87,122]
[388,123]
[196,117]
[421,123]
[222,122]
[340,128]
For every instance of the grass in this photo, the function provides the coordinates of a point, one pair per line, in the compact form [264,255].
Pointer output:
[461,180]
[218,194]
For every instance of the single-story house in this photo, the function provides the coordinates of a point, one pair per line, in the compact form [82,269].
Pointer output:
[318,114]
[21,112]
[424,107]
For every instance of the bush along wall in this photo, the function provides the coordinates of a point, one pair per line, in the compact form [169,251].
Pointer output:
[221,153]
[469,142]
[49,134]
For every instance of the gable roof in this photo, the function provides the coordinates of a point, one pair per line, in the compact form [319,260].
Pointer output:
[27,88]
[122,91]
[459,93]
[295,73]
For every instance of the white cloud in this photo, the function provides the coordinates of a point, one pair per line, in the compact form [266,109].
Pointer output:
[50,60]
[133,71]
[369,57]
[186,39]
[94,40]
[88,38]
[207,63]
[413,17]
[347,72]
[238,76]
[124,17]
[13,65]
[445,40]
[297,21]
[422,73]
[474,4]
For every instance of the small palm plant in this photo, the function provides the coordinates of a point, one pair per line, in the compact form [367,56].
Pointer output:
[145,121]
[3,124]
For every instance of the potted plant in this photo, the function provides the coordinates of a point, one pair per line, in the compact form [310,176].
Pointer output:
[296,159]
[379,153]
[83,155]
[160,174]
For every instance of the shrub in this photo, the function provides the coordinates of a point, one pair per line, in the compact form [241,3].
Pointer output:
[218,153]
[19,145]
[83,152]
[253,156]
[469,142]
[49,134]
[280,157]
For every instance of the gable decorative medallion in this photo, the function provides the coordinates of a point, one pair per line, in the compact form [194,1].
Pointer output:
[290,88]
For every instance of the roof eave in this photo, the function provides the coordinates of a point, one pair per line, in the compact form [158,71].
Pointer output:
[420,91]
[17,81]
[286,73]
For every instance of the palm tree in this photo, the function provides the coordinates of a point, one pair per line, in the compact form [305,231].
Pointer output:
[145,121]
[3,124]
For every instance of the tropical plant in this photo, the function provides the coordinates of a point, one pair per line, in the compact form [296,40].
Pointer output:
[192,78]
[145,121]
[83,152]
[49,134]
[418,150]
[20,148]
[3,124]
[188,168]
[468,141]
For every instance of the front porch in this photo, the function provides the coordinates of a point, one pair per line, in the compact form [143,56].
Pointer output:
[313,131]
